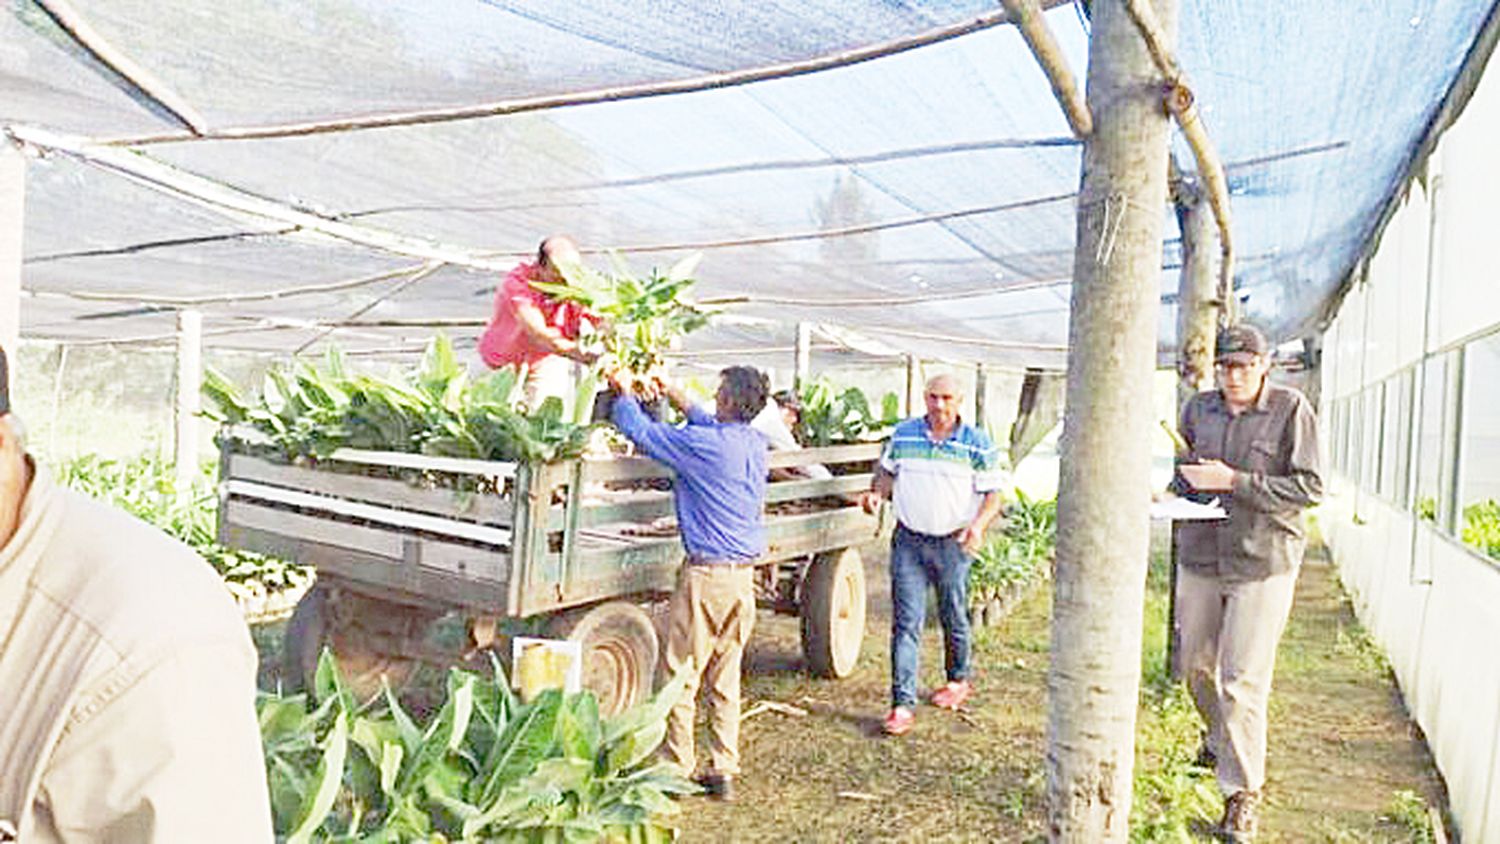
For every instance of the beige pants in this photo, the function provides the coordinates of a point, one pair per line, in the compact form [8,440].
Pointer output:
[712,614]
[551,376]
[1227,636]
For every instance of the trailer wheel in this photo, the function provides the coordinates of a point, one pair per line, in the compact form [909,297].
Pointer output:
[833,613]
[317,623]
[620,650]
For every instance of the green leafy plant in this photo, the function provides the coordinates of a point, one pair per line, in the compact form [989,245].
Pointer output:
[1482,527]
[642,316]
[1017,554]
[1426,508]
[486,767]
[1408,811]
[435,409]
[146,486]
[829,417]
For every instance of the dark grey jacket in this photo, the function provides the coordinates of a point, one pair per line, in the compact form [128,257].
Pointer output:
[1273,448]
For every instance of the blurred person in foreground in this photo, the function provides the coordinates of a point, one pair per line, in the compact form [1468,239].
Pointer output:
[943,477]
[719,492]
[1255,445]
[127,676]
[537,332]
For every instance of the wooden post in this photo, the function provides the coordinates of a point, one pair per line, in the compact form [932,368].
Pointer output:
[1103,534]
[12,218]
[981,385]
[189,400]
[804,356]
[913,386]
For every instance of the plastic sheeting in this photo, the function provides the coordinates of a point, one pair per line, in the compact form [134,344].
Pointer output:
[923,199]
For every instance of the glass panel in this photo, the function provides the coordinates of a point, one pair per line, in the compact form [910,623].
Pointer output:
[1390,438]
[1404,424]
[1430,438]
[1369,454]
[1479,451]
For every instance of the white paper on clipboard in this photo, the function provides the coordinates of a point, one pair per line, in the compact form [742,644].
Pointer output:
[1182,510]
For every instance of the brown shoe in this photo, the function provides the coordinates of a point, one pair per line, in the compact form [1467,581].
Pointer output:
[718,787]
[1240,817]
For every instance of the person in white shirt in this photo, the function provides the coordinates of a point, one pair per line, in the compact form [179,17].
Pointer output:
[128,705]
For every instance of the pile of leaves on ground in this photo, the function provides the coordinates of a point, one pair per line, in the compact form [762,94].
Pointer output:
[146,486]
[438,409]
[832,417]
[1010,560]
[486,767]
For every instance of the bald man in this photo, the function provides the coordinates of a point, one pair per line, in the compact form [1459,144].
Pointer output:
[534,331]
[943,477]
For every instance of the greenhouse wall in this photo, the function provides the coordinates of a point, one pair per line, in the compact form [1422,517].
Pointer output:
[1411,420]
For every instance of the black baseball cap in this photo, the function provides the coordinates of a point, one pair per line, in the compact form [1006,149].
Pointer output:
[4,385]
[1240,342]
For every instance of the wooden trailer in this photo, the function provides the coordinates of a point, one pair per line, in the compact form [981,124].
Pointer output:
[584,549]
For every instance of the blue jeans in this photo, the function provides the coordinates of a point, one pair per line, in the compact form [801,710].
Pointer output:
[916,561]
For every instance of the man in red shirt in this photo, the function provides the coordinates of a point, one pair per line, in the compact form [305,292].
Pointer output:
[533,330]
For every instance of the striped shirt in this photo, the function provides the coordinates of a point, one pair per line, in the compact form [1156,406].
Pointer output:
[940,484]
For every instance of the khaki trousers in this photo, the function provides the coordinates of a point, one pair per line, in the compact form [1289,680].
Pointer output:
[1227,637]
[711,616]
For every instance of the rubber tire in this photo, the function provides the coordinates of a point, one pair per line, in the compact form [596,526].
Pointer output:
[303,640]
[620,652]
[308,632]
[832,608]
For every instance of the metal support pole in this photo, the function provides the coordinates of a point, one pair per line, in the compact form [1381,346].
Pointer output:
[12,218]
[189,386]
[804,356]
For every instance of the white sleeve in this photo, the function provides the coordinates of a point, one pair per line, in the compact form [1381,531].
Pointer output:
[770,423]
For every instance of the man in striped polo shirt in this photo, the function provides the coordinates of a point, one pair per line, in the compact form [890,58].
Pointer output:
[943,477]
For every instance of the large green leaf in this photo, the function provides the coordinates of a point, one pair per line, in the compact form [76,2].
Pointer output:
[329,775]
[526,741]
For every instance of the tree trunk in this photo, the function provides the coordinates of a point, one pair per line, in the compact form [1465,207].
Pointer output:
[1198,307]
[1104,491]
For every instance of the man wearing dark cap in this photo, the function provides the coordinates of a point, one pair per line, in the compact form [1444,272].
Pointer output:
[127,676]
[1254,446]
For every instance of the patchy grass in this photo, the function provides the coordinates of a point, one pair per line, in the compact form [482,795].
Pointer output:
[1345,763]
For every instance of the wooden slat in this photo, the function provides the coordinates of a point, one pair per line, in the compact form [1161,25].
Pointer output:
[485,508]
[376,575]
[827,454]
[465,561]
[456,465]
[375,542]
[816,487]
[368,512]
[643,507]
[624,468]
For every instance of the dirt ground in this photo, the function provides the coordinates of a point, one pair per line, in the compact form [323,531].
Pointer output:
[1341,745]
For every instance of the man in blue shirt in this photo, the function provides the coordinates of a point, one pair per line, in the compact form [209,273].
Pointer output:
[719,492]
[944,478]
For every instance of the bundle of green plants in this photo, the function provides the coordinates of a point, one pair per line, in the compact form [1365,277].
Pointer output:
[1482,527]
[642,316]
[146,486]
[437,409]
[1020,552]
[485,767]
[831,417]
